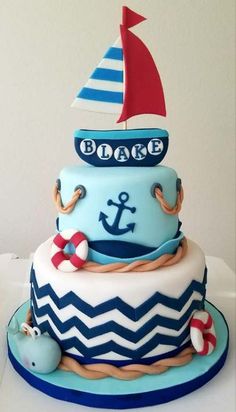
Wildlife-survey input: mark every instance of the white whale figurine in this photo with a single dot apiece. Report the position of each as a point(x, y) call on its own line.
point(38, 352)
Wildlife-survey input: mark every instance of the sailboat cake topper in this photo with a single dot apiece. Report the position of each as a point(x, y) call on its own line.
point(125, 82)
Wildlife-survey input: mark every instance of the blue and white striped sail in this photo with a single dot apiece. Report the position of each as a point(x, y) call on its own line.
point(104, 90)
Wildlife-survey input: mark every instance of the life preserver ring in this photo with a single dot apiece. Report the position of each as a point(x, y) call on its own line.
point(64, 262)
point(202, 333)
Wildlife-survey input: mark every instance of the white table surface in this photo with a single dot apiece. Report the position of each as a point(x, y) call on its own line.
point(17, 395)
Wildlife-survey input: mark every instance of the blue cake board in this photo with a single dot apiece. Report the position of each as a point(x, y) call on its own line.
point(113, 393)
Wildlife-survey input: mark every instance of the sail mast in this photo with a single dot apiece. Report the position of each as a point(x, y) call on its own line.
point(125, 123)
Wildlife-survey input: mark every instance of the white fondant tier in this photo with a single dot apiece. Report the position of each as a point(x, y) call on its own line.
point(118, 316)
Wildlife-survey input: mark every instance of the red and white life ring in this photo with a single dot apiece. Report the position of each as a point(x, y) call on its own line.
point(64, 262)
point(202, 332)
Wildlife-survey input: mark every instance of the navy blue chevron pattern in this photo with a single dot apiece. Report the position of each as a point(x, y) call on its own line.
point(110, 345)
point(111, 326)
point(117, 303)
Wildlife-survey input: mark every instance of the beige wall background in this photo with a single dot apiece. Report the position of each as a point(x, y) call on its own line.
point(48, 49)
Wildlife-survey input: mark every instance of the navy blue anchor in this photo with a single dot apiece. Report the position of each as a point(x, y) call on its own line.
point(114, 228)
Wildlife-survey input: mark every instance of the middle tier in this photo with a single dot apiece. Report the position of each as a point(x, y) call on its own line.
point(119, 212)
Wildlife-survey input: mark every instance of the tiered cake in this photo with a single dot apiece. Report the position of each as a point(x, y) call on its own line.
point(119, 293)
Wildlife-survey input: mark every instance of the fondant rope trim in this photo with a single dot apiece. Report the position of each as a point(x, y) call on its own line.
point(166, 206)
point(70, 205)
point(128, 372)
point(140, 265)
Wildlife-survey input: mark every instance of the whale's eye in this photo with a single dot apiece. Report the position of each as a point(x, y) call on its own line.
point(33, 364)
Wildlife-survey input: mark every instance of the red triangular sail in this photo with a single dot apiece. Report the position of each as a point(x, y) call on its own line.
point(143, 87)
point(130, 18)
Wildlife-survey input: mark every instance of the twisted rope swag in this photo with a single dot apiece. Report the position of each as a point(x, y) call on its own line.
point(140, 265)
point(165, 205)
point(58, 201)
point(128, 372)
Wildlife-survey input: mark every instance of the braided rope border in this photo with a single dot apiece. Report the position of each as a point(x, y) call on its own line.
point(140, 265)
point(128, 372)
point(166, 206)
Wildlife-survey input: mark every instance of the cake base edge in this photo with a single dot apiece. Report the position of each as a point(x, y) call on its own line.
point(111, 393)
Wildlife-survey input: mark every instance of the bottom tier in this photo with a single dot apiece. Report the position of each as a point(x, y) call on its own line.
point(113, 393)
point(118, 318)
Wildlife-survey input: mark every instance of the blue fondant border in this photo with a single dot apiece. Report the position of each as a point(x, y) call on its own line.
point(119, 248)
point(127, 250)
point(169, 246)
point(130, 401)
point(120, 134)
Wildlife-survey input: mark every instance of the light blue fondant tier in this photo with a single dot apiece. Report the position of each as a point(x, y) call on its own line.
point(118, 214)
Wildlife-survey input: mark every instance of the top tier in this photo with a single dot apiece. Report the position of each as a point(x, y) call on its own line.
point(125, 82)
point(132, 147)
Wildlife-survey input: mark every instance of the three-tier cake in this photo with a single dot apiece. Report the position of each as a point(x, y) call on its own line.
point(118, 292)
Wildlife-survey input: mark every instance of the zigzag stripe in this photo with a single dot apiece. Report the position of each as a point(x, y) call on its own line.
point(112, 346)
point(117, 303)
point(112, 326)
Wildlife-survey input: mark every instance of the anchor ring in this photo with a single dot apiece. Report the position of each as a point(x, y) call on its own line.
point(123, 197)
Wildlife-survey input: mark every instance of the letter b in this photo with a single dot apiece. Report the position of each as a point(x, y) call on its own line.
point(87, 147)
